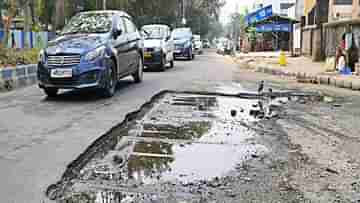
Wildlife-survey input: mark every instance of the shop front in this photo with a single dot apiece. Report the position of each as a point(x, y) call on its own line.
point(269, 31)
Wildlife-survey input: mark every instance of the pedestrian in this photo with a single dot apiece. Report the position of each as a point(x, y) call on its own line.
point(261, 87)
point(13, 43)
point(341, 64)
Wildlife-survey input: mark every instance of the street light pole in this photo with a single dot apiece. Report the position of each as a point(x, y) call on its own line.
point(104, 4)
point(183, 20)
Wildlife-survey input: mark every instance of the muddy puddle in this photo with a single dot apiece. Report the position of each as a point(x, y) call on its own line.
point(176, 140)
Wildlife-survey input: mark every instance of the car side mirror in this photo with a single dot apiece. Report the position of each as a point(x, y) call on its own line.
point(168, 38)
point(116, 33)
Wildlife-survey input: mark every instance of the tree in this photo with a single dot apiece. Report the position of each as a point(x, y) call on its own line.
point(59, 14)
point(11, 12)
point(44, 11)
point(3, 5)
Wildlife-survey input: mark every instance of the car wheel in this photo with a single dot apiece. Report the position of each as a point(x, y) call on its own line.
point(190, 57)
point(162, 66)
point(138, 75)
point(172, 63)
point(111, 81)
point(51, 92)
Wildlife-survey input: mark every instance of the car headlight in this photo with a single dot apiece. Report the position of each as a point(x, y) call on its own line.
point(187, 44)
point(92, 55)
point(41, 57)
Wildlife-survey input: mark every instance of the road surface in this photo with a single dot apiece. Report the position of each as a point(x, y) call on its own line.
point(39, 136)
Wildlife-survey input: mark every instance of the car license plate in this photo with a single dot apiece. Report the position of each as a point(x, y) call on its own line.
point(177, 51)
point(147, 55)
point(61, 73)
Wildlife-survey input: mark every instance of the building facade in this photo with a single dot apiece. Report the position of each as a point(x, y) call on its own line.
point(343, 10)
point(324, 23)
point(280, 7)
point(356, 9)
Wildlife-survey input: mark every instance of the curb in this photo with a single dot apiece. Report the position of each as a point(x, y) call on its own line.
point(16, 77)
point(309, 78)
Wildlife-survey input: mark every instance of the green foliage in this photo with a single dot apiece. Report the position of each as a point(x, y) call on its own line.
point(201, 15)
point(45, 11)
point(15, 57)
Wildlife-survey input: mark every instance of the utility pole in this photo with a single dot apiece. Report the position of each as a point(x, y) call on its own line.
point(104, 4)
point(183, 20)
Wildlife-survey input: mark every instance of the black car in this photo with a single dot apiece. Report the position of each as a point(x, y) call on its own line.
point(183, 40)
point(94, 50)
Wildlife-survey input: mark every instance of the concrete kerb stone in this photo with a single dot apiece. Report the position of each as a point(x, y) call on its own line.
point(348, 84)
point(355, 85)
point(332, 81)
point(15, 77)
point(324, 80)
point(339, 82)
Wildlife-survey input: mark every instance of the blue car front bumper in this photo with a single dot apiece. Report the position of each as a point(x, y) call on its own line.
point(92, 77)
point(182, 52)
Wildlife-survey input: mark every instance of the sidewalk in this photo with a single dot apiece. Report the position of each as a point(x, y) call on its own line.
point(300, 68)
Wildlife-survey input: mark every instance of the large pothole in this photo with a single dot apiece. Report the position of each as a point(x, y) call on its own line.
point(176, 140)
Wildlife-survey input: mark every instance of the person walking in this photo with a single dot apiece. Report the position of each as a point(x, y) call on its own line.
point(13, 42)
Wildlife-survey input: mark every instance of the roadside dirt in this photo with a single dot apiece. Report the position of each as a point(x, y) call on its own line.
point(324, 159)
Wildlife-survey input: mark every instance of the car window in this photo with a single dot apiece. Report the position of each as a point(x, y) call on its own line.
point(155, 32)
point(168, 32)
point(118, 23)
point(130, 27)
point(121, 24)
point(181, 33)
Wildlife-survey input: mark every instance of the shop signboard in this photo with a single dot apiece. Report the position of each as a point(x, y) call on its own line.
point(259, 15)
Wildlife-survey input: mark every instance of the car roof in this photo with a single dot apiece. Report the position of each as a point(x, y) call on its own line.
point(183, 29)
point(120, 13)
point(156, 25)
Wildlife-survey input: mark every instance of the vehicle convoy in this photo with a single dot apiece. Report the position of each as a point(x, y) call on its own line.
point(158, 47)
point(183, 40)
point(198, 44)
point(94, 50)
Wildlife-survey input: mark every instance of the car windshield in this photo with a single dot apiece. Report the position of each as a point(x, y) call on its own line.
point(89, 23)
point(154, 32)
point(179, 34)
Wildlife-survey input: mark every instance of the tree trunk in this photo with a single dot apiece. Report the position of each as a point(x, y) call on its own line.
point(59, 14)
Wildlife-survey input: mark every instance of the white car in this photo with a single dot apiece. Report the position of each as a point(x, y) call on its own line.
point(158, 46)
point(198, 44)
point(221, 45)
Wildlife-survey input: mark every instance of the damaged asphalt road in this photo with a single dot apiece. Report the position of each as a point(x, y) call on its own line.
point(193, 147)
point(181, 146)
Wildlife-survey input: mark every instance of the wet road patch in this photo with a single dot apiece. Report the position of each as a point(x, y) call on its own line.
point(177, 140)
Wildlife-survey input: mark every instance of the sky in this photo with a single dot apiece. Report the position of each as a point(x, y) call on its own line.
point(230, 7)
